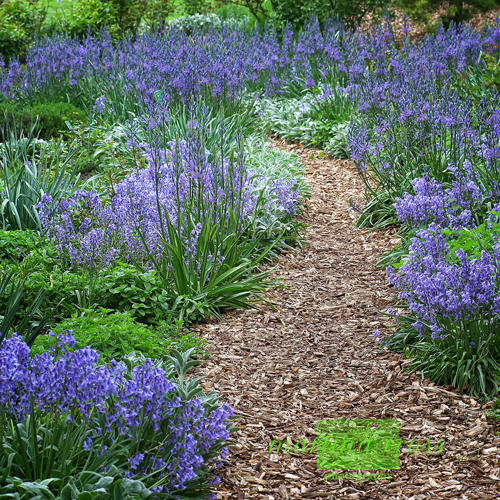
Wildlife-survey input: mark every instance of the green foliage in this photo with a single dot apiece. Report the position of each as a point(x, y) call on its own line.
point(260, 10)
point(298, 12)
point(103, 147)
point(454, 361)
point(233, 12)
point(30, 168)
point(396, 256)
point(480, 79)
point(15, 152)
point(234, 118)
point(157, 11)
point(338, 145)
point(494, 413)
point(473, 241)
point(274, 164)
point(14, 245)
point(23, 187)
point(124, 288)
point(290, 119)
point(40, 270)
point(194, 7)
point(50, 118)
point(20, 21)
point(60, 290)
point(80, 472)
point(378, 211)
point(119, 17)
point(115, 334)
point(209, 287)
point(186, 341)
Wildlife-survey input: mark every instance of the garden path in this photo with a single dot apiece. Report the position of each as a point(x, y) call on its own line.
point(315, 358)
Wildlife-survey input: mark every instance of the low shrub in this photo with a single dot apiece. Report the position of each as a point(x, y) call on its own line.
point(231, 12)
point(124, 288)
point(117, 334)
point(338, 144)
point(196, 23)
point(114, 334)
point(66, 289)
point(314, 118)
point(92, 16)
point(51, 118)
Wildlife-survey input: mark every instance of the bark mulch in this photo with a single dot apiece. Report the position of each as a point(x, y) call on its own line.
point(315, 358)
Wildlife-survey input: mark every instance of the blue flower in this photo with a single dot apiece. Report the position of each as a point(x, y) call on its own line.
point(136, 460)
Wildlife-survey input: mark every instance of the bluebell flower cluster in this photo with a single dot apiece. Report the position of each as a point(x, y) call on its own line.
point(228, 63)
point(218, 64)
point(178, 180)
point(114, 406)
point(80, 228)
point(436, 284)
point(450, 207)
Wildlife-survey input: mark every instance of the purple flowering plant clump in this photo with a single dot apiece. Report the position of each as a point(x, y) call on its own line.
point(78, 227)
point(451, 288)
point(69, 424)
point(437, 284)
point(448, 207)
point(189, 215)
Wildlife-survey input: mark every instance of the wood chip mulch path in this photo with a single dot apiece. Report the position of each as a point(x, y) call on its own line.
point(315, 358)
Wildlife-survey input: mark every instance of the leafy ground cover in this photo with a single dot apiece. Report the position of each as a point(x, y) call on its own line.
point(162, 204)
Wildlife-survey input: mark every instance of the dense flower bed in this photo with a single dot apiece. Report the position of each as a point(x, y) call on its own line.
point(196, 202)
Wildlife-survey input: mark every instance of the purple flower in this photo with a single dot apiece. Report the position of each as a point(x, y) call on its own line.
point(99, 106)
point(437, 285)
point(135, 461)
